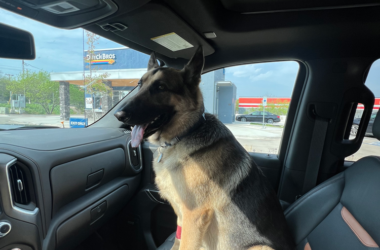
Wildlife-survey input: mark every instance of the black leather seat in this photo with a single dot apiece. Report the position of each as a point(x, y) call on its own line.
point(343, 213)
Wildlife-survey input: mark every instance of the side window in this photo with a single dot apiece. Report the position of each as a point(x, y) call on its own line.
point(370, 145)
point(243, 96)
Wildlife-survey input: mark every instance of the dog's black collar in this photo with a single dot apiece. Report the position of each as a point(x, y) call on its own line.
point(177, 139)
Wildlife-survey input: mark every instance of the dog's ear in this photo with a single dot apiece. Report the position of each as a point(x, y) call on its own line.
point(193, 70)
point(152, 62)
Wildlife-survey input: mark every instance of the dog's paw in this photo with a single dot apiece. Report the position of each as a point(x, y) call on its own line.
point(176, 244)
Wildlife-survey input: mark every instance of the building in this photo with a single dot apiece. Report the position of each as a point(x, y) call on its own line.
point(247, 103)
point(123, 68)
point(219, 95)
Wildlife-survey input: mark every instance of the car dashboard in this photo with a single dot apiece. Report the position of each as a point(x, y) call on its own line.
point(59, 185)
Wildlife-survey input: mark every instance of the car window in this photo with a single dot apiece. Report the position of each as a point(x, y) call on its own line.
point(76, 78)
point(235, 95)
point(370, 145)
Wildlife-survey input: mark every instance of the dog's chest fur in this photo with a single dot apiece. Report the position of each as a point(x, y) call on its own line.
point(185, 181)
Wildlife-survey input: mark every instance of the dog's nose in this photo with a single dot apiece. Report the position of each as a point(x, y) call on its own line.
point(122, 116)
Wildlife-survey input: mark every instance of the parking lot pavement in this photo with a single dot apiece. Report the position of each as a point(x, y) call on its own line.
point(370, 146)
point(254, 131)
point(46, 120)
point(255, 138)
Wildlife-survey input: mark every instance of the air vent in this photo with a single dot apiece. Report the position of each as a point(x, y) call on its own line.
point(60, 8)
point(18, 183)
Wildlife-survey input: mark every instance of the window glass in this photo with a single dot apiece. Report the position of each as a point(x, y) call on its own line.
point(75, 79)
point(370, 145)
point(236, 96)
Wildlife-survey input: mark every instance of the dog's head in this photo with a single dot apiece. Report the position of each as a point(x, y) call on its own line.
point(168, 101)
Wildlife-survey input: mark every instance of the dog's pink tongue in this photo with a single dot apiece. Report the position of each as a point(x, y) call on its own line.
point(137, 135)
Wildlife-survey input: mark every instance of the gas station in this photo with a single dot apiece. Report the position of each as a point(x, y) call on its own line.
point(123, 68)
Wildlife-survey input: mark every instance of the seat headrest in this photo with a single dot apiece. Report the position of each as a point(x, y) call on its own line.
point(376, 126)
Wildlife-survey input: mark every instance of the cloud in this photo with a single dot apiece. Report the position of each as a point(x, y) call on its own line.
point(260, 79)
point(244, 70)
point(262, 76)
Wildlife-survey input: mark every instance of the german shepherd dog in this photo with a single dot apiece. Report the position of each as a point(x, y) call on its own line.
point(221, 198)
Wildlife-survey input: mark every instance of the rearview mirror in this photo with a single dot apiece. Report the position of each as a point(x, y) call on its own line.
point(16, 43)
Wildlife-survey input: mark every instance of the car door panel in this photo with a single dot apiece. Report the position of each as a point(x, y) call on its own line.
point(62, 163)
point(156, 217)
point(253, 117)
point(270, 165)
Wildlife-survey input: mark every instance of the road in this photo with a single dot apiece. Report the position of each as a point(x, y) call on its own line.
point(254, 138)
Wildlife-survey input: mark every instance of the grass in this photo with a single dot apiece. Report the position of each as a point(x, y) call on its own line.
point(36, 109)
point(268, 125)
point(5, 105)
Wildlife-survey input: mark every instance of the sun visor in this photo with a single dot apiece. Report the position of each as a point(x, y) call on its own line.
point(67, 14)
point(261, 6)
point(158, 29)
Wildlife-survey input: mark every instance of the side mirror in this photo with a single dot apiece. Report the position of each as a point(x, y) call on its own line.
point(16, 43)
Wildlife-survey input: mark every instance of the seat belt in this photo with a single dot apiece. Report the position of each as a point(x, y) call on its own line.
point(315, 154)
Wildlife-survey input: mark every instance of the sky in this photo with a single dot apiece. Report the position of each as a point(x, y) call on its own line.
point(59, 50)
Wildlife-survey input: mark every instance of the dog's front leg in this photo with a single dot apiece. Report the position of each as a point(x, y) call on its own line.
point(195, 224)
point(177, 239)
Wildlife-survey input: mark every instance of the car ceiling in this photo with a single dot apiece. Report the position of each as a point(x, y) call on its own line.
point(246, 30)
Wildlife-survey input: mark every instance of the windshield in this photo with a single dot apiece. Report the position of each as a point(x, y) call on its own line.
point(76, 78)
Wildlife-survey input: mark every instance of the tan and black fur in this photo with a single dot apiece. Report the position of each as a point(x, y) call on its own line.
point(222, 199)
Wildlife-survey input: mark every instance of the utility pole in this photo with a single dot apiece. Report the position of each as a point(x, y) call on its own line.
point(9, 75)
point(23, 63)
point(10, 92)
point(27, 73)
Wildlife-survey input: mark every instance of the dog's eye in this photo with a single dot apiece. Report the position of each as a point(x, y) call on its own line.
point(161, 87)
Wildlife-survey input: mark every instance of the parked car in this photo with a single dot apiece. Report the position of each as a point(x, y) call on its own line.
point(257, 116)
point(356, 122)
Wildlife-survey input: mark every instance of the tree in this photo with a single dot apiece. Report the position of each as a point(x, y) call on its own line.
point(76, 97)
point(38, 88)
point(4, 94)
point(237, 106)
point(93, 81)
point(278, 107)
